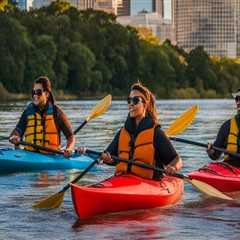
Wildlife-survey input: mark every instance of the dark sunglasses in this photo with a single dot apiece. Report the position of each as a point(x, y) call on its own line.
point(237, 98)
point(134, 100)
point(37, 92)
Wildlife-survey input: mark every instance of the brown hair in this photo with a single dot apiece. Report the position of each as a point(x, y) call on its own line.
point(149, 99)
point(47, 87)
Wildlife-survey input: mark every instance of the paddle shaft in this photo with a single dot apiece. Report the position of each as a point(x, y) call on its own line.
point(42, 148)
point(80, 127)
point(205, 146)
point(138, 164)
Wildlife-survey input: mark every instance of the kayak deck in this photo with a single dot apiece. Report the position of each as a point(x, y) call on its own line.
point(123, 193)
point(18, 160)
point(221, 175)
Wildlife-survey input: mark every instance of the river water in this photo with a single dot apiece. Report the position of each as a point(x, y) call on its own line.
point(194, 217)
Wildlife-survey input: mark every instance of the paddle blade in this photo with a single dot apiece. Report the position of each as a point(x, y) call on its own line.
point(53, 201)
point(208, 189)
point(182, 122)
point(100, 108)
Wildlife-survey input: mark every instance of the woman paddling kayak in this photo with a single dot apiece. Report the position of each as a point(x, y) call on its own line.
point(228, 137)
point(42, 120)
point(224, 175)
point(142, 139)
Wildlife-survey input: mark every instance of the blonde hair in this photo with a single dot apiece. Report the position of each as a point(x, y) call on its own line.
point(149, 99)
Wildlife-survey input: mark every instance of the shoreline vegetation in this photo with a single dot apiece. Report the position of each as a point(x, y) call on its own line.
point(87, 55)
point(188, 93)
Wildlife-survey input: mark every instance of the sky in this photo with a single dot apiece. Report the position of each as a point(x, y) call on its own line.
point(139, 5)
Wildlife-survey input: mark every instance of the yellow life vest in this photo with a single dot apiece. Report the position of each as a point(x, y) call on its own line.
point(232, 142)
point(42, 130)
point(142, 151)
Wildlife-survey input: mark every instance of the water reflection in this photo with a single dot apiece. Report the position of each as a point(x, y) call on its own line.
point(44, 179)
point(139, 224)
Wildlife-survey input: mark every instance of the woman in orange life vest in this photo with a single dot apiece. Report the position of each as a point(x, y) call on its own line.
point(142, 139)
point(42, 120)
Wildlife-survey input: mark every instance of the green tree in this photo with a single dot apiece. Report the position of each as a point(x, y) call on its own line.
point(80, 61)
point(41, 58)
point(201, 67)
point(13, 46)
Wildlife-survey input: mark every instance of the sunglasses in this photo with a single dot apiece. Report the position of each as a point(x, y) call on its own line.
point(37, 92)
point(134, 100)
point(237, 98)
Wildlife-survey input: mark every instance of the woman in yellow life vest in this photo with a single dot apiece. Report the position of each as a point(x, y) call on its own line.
point(42, 120)
point(142, 139)
point(228, 137)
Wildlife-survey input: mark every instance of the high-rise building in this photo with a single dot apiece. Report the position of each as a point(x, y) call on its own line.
point(83, 4)
point(159, 27)
point(123, 8)
point(79, 4)
point(109, 6)
point(159, 5)
point(213, 24)
point(238, 28)
point(24, 4)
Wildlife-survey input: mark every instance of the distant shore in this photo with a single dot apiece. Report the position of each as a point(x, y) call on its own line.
point(186, 93)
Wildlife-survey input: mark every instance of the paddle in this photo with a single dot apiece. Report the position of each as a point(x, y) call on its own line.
point(182, 122)
point(201, 186)
point(205, 146)
point(56, 199)
point(98, 110)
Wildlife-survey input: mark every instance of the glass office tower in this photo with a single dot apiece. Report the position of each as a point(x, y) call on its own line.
point(213, 24)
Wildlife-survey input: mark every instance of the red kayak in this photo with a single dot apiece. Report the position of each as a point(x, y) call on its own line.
point(126, 192)
point(221, 175)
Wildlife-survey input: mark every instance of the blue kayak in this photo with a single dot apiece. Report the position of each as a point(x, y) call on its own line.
point(18, 160)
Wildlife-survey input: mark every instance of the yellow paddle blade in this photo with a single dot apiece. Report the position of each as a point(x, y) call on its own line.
point(100, 108)
point(182, 122)
point(53, 201)
point(208, 189)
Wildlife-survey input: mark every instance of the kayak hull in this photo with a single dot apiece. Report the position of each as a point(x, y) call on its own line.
point(18, 160)
point(222, 176)
point(123, 193)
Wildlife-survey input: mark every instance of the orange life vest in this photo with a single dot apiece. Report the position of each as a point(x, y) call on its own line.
point(140, 150)
point(42, 130)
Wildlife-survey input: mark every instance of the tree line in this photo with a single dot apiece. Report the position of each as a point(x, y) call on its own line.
point(88, 52)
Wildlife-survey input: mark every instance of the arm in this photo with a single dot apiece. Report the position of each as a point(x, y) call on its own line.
point(65, 126)
point(19, 130)
point(174, 166)
point(221, 141)
point(112, 149)
point(71, 141)
point(165, 154)
point(113, 146)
